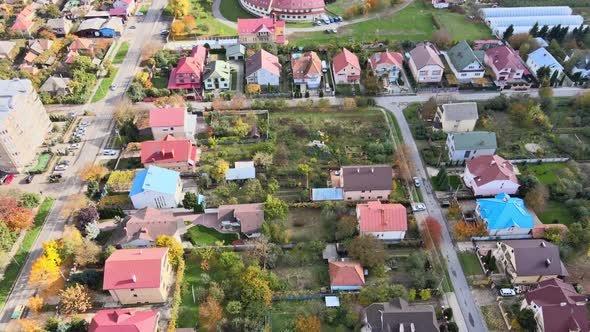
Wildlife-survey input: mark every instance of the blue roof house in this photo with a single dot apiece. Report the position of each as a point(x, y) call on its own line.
point(156, 187)
point(542, 58)
point(504, 215)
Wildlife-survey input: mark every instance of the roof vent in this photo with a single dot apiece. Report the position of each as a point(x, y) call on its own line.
point(543, 244)
point(547, 262)
point(134, 278)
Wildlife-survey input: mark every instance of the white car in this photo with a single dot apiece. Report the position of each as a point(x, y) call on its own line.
point(74, 146)
point(507, 292)
point(84, 123)
point(416, 182)
point(110, 152)
point(139, 14)
point(72, 113)
point(416, 207)
point(113, 87)
point(61, 167)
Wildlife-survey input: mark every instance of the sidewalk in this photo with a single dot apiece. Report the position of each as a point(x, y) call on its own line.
point(451, 300)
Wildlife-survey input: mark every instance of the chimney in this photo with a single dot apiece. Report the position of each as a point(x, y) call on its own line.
point(163, 152)
point(134, 278)
point(547, 262)
point(172, 152)
point(543, 244)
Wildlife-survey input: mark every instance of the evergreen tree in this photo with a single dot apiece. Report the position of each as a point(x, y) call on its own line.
point(543, 32)
point(534, 30)
point(509, 32)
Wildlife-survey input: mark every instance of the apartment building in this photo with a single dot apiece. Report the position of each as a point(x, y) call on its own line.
point(24, 123)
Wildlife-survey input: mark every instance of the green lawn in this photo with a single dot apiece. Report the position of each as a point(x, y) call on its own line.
point(188, 313)
point(546, 173)
point(306, 224)
point(105, 84)
point(121, 53)
point(207, 25)
point(556, 211)
point(232, 10)
point(469, 263)
point(234, 80)
point(412, 23)
point(203, 236)
point(283, 314)
point(13, 269)
point(144, 9)
point(160, 82)
point(41, 163)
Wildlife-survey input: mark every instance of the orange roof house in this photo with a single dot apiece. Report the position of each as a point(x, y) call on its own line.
point(346, 276)
point(384, 221)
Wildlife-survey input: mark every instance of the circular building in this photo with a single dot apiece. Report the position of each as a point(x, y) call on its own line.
point(285, 10)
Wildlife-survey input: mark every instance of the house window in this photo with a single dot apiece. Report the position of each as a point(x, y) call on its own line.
point(134, 295)
point(467, 153)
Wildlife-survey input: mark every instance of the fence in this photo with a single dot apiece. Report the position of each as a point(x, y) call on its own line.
point(502, 237)
point(437, 90)
point(539, 161)
point(271, 95)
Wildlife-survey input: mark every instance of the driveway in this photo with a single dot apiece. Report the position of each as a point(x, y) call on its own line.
point(238, 66)
point(470, 311)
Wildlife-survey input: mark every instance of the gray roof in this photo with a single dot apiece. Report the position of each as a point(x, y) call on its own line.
point(462, 55)
point(235, 49)
point(6, 46)
point(92, 24)
point(59, 23)
point(372, 177)
point(114, 23)
point(55, 83)
point(474, 140)
point(460, 111)
point(583, 60)
point(536, 257)
point(390, 316)
point(425, 54)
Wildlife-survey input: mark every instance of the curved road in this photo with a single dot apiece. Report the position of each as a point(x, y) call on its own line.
point(217, 14)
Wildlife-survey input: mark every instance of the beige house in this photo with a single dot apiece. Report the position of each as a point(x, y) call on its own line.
point(138, 276)
point(24, 123)
point(456, 118)
point(8, 49)
point(363, 183)
point(529, 261)
point(425, 63)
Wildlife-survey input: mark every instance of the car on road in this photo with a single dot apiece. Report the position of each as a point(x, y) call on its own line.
point(29, 178)
point(164, 32)
point(110, 152)
point(139, 14)
point(85, 123)
point(18, 312)
point(416, 182)
point(507, 292)
point(54, 178)
point(74, 146)
point(132, 27)
point(6, 179)
point(113, 87)
point(416, 207)
point(72, 113)
point(62, 166)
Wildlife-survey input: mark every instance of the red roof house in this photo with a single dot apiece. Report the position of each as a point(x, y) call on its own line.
point(288, 10)
point(189, 71)
point(82, 45)
point(383, 62)
point(490, 175)
point(171, 153)
point(22, 25)
point(347, 69)
point(346, 276)
point(138, 275)
point(261, 30)
point(384, 221)
point(124, 320)
point(557, 307)
point(505, 63)
point(143, 227)
point(167, 117)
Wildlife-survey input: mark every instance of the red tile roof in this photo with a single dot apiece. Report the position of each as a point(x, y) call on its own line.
point(167, 117)
point(253, 25)
point(71, 56)
point(81, 44)
point(134, 268)
point(308, 63)
point(346, 274)
point(344, 59)
point(425, 54)
point(22, 24)
point(194, 64)
point(169, 150)
point(263, 60)
point(503, 57)
point(486, 169)
point(390, 58)
point(563, 308)
point(124, 320)
point(377, 217)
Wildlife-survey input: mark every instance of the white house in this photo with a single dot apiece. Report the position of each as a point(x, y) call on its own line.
point(542, 58)
point(263, 68)
point(466, 63)
point(490, 176)
point(307, 69)
point(466, 146)
point(456, 117)
point(388, 222)
point(346, 67)
point(217, 75)
point(156, 187)
point(425, 63)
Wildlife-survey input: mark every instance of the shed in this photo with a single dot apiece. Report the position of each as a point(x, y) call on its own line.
point(327, 194)
point(235, 52)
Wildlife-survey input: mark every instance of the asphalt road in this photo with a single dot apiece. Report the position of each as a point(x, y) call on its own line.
point(147, 30)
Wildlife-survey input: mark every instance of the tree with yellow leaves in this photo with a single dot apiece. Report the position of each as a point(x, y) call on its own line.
point(219, 170)
point(75, 299)
point(92, 171)
point(307, 324)
point(210, 313)
point(74, 203)
point(29, 325)
point(177, 27)
point(35, 303)
point(43, 272)
point(252, 88)
point(175, 250)
point(180, 8)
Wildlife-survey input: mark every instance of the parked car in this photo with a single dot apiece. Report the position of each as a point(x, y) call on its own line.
point(139, 14)
point(132, 27)
point(445, 203)
point(318, 23)
point(29, 178)
point(507, 292)
point(113, 87)
point(416, 182)
point(418, 207)
point(331, 19)
point(334, 30)
point(18, 312)
point(74, 146)
point(84, 123)
point(340, 19)
point(7, 179)
point(164, 32)
point(72, 113)
point(61, 167)
point(110, 152)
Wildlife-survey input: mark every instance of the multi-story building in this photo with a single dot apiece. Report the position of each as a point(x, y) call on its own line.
point(24, 123)
point(175, 121)
point(425, 63)
point(286, 10)
point(261, 30)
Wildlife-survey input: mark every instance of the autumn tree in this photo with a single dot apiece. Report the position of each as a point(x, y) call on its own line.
point(241, 128)
point(121, 180)
point(431, 232)
point(86, 216)
point(255, 288)
point(173, 100)
point(93, 172)
point(537, 197)
point(45, 270)
point(219, 170)
point(403, 163)
point(180, 8)
point(71, 241)
point(349, 104)
point(428, 109)
point(29, 325)
point(210, 314)
point(189, 22)
point(74, 203)
point(35, 303)
point(465, 231)
point(307, 324)
point(262, 159)
point(75, 299)
point(252, 88)
point(346, 227)
point(368, 250)
point(442, 38)
point(175, 250)
point(88, 253)
point(275, 208)
point(124, 112)
point(15, 216)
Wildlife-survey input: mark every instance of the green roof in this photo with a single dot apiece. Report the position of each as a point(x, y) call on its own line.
point(475, 140)
point(462, 55)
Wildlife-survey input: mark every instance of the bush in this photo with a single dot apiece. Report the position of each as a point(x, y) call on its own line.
point(110, 212)
point(177, 297)
point(91, 278)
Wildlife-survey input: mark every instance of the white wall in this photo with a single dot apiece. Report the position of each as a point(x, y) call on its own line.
point(391, 235)
point(264, 78)
point(154, 200)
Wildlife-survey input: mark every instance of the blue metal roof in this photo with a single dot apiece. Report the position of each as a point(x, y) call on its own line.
point(503, 212)
point(156, 179)
point(327, 194)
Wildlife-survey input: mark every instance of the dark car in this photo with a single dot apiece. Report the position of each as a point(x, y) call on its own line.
point(29, 178)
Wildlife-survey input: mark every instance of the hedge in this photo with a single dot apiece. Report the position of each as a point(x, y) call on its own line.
point(176, 298)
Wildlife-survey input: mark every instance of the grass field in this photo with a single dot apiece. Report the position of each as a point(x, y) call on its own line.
point(188, 313)
point(232, 10)
point(41, 163)
point(556, 211)
point(207, 25)
point(13, 269)
point(160, 82)
point(121, 53)
point(104, 86)
point(307, 225)
point(469, 263)
point(202, 236)
point(412, 23)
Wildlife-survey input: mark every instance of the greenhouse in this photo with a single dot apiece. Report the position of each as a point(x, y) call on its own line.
point(525, 11)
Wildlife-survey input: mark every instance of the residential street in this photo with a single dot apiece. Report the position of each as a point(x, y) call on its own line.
point(98, 133)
